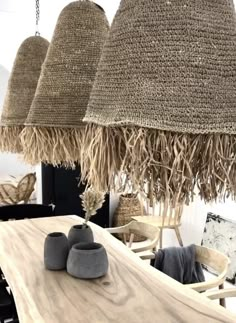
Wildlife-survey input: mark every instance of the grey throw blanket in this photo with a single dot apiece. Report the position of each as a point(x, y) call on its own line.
point(179, 263)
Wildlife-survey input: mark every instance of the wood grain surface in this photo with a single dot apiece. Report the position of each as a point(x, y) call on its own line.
point(132, 291)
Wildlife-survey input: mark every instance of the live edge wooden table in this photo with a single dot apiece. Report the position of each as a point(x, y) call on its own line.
point(131, 292)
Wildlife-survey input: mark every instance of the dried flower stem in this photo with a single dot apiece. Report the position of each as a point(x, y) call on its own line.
point(91, 202)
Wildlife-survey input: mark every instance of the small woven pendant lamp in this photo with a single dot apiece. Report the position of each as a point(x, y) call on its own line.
point(163, 106)
point(54, 127)
point(21, 89)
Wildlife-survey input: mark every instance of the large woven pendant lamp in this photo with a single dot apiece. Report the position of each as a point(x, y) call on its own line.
point(21, 89)
point(54, 127)
point(163, 106)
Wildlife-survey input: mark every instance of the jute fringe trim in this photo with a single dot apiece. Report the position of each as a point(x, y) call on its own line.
point(10, 139)
point(55, 146)
point(172, 164)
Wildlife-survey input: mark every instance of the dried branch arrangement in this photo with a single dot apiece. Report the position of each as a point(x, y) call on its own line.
point(91, 201)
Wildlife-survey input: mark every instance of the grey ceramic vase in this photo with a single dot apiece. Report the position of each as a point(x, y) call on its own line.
point(78, 233)
point(56, 249)
point(87, 260)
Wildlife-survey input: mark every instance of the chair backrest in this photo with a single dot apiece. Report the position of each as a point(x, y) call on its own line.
point(212, 258)
point(25, 187)
point(11, 194)
point(8, 194)
point(170, 214)
point(174, 215)
point(216, 261)
point(222, 293)
point(23, 211)
point(152, 233)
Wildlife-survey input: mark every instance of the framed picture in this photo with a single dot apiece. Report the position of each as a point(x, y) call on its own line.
point(220, 234)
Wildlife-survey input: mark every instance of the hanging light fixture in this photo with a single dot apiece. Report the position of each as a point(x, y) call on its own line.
point(54, 127)
point(163, 107)
point(21, 89)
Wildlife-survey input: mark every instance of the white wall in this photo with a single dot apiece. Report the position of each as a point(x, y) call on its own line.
point(4, 75)
point(17, 21)
point(10, 164)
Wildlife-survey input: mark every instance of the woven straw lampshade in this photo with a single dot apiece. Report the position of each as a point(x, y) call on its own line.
point(163, 106)
point(20, 91)
point(54, 127)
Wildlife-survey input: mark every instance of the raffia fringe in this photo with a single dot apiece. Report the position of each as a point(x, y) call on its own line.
point(55, 146)
point(173, 164)
point(10, 139)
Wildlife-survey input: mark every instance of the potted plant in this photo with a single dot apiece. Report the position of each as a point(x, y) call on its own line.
point(91, 202)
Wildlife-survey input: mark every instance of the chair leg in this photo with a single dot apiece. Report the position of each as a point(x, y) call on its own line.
point(131, 239)
point(179, 236)
point(124, 238)
point(222, 300)
point(161, 236)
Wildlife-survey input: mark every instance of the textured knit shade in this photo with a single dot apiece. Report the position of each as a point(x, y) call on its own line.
point(54, 127)
point(163, 106)
point(20, 91)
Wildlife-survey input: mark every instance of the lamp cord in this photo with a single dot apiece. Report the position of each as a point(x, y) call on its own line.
point(37, 33)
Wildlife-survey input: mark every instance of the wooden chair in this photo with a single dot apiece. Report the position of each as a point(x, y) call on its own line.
point(168, 218)
point(142, 229)
point(213, 259)
point(25, 187)
point(8, 194)
point(221, 294)
point(11, 194)
point(216, 261)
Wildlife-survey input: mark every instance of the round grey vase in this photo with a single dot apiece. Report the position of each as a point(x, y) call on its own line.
point(87, 260)
point(56, 249)
point(78, 233)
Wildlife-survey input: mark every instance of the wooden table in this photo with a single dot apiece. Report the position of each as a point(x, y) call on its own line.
point(132, 291)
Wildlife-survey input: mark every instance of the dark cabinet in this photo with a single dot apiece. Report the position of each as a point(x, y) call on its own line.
point(61, 187)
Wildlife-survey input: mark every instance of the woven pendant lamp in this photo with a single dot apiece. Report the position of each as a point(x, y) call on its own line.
point(54, 127)
point(20, 91)
point(163, 106)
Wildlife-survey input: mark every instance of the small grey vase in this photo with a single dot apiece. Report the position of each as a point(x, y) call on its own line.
point(56, 249)
point(78, 233)
point(87, 260)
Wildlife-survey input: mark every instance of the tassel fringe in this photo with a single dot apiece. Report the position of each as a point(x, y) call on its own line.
point(55, 146)
point(173, 164)
point(10, 139)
